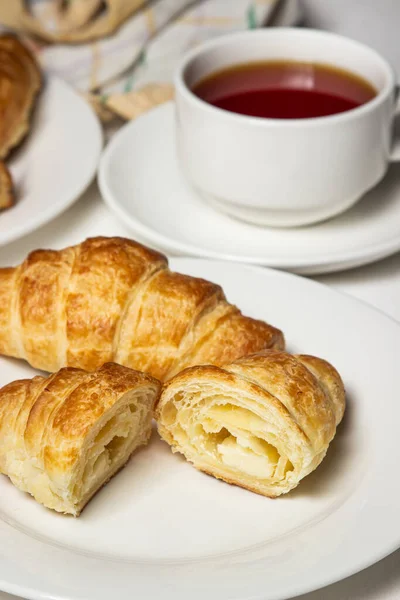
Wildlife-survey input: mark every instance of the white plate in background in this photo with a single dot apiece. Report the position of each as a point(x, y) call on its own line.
point(161, 529)
point(55, 163)
point(141, 182)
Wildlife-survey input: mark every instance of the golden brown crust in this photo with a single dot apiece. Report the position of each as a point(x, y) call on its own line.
point(263, 422)
point(9, 340)
point(7, 196)
point(39, 311)
point(11, 43)
point(114, 299)
point(287, 378)
point(20, 82)
point(234, 336)
point(166, 311)
point(105, 274)
point(329, 379)
point(53, 430)
point(95, 394)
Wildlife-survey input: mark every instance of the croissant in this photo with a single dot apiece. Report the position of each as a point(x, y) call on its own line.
point(112, 299)
point(263, 422)
point(64, 436)
point(7, 195)
point(20, 82)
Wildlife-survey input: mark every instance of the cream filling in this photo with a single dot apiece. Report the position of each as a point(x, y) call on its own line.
point(235, 454)
point(109, 448)
point(236, 437)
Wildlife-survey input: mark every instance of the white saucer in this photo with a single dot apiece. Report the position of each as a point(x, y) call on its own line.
point(140, 181)
point(55, 163)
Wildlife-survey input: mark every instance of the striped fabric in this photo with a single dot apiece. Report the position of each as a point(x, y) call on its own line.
point(145, 49)
point(131, 71)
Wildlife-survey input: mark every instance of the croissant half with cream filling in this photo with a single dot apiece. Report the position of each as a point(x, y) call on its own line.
point(263, 422)
point(64, 436)
point(112, 299)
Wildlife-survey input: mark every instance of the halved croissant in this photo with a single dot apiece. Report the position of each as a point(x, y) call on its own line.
point(263, 422)
point(64, 436)
point(111, 299)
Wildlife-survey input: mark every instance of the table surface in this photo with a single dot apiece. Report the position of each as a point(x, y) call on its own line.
point(377, 284)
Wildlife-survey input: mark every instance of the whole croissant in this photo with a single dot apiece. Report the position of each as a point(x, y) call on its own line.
point(114, 300)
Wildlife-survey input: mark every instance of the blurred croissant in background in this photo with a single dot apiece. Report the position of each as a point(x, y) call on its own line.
point(67, 20)
point(20, 83)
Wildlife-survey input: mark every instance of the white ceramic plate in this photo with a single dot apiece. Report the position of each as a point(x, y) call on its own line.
point(55, 163)
point(141, 182)
point(161, 529)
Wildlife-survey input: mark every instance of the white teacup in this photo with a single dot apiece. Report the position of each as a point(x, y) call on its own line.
point(284, 172)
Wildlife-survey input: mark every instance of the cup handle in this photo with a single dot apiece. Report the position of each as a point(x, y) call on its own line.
point(395, 151)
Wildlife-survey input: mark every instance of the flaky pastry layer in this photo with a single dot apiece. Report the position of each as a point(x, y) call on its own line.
point(263, 422)
point(64, 436)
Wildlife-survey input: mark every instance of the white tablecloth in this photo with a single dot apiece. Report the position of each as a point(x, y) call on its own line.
point(378, 284)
